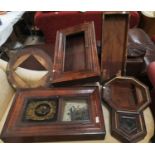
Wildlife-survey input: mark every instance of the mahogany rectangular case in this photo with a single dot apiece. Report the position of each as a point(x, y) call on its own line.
point(58, 114)
point(76, 58)
point(128, 98)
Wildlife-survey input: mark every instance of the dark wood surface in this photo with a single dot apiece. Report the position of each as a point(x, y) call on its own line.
point(114, 40)
point(34, 54)
point(128, 98)
point(126, 94)
point(135, 67)
point(34, 65)
point(18, 130)
point(76, 55)
point(147, 24)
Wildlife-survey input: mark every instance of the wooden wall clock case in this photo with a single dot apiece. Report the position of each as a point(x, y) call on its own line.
point(41, 115)
point(76, 59)
point(126, 96)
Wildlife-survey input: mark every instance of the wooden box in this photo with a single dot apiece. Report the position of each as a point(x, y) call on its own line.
point(76, 57)
point(126, 96)
point(41, 115)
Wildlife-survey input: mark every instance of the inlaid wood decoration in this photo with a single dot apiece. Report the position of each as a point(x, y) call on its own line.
point(76, 55)
point(15, 63)
point(128, 98)
point(41, 115)
point(114, 41)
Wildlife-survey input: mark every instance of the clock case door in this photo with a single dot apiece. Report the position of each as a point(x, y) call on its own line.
point(120, 92)
point(76, 58)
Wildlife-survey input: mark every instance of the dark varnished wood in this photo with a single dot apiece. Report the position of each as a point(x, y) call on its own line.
point(114, 40)
point(17, 130)
point(17, 60)
point(76, 55)
point(128, 98)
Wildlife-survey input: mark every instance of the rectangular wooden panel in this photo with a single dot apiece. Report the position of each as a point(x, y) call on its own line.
point(41, 115)
point(76, 56)
point(114, 41)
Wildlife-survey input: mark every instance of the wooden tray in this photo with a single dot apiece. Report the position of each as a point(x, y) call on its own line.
point(40, 115)
point(128, 98)
point(76, 57)
point(114, 40)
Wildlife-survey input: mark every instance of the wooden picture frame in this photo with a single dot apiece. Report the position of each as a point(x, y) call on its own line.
point(114, 40)
point(41, 115)
point(127, 98)
point(76, 58)
point(20, 58)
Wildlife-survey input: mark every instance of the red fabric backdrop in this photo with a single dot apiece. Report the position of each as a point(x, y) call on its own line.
point(50, 22)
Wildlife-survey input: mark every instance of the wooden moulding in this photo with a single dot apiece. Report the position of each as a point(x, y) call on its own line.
point(128, 98)
point(41, 115)
point(114, 41)
point(76, 58)
point(40, 56)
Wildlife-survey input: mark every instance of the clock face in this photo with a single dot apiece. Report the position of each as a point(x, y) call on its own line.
point(41, 110)
point(75, 110)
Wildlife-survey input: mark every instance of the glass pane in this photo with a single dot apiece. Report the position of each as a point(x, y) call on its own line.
point(75, 110)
